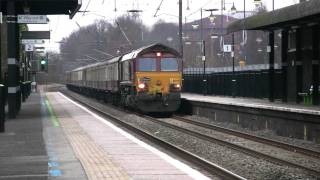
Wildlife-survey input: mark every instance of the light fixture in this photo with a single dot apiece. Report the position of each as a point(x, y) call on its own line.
point(212, 18)
point(233, 9)
point(259, 40)
point(188, 7)
point(195, 26)
point(169, 39)
point(185, 37)
point(188, 43)
point(214, 36)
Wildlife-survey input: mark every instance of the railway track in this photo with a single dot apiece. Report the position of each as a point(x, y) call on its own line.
point(236, 147)
point(270, 142)
point(210, 167)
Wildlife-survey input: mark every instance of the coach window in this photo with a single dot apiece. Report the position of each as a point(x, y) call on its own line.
point(169, 64)
point(292, 40)
point(126, 70)
point(147, 64)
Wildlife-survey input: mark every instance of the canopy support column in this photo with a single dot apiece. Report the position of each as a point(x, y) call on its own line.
point(315, 64)
point(271, 66)
point(284, 64)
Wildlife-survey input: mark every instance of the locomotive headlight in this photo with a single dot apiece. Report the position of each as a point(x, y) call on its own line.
point(141, 85)
point(175, 87)
point(158, 54)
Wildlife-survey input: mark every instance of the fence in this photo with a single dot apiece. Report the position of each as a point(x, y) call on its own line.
point(253, 84)
point(2, 106)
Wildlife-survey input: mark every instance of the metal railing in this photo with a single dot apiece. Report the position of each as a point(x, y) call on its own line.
point(253, 84)
point(3, 91)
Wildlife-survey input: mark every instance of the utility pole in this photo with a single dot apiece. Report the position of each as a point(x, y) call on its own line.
point(0, 44)
point(234, 81)
point(13, 61)
point(203, 56)
point(180, 33)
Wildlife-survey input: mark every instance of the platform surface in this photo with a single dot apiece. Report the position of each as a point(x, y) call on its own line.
point(107, 152)
point(253, 103)
point(56, 138)
point(32, 147)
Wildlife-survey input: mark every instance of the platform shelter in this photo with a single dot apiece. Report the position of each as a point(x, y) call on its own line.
point(10, 9)
point(300, 31)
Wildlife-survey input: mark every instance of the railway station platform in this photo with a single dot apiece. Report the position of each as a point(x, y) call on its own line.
point(289, 120)
point(254, 103)
point(54, 137)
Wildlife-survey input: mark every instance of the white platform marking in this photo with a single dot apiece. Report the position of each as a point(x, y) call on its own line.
point(178, 164)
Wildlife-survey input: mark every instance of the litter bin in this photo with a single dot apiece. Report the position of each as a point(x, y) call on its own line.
point(34, 86)
point(307, 98)
point(28, 88)
point(23, 91)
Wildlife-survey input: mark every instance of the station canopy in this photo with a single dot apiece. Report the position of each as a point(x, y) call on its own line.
point(44, 7)
point(302, 13)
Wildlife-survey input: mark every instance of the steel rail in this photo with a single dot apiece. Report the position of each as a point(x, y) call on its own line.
point(236, 147)
point(206, 165)
point(286, 146)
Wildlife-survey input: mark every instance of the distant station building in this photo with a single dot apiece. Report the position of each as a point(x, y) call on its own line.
point(299, 31)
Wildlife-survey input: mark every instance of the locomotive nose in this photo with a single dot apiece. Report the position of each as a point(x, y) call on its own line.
point(158, 83)
point(158, 88)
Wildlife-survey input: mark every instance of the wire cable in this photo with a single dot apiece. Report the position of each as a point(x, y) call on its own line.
point(86, 8)
point(155, 14)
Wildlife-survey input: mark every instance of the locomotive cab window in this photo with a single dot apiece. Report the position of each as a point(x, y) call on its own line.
point(147, 64)
point(169, 64)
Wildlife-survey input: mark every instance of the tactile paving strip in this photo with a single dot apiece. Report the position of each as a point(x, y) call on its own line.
point(97, 163)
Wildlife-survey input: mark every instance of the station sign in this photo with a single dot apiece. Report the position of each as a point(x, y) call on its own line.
point(227, 48)
point(32, 19)
point(32, 41)
point(29, 48)
point(257, 1)
point(35, 34)
point(39, 48)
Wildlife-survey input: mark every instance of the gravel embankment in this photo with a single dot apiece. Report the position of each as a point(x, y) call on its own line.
point(310, 162)
point(263, 133)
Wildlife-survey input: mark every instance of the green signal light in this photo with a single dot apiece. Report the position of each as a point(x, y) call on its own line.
point(43, 62)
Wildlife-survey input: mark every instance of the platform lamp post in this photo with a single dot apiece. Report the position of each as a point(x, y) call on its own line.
point(203, 48)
